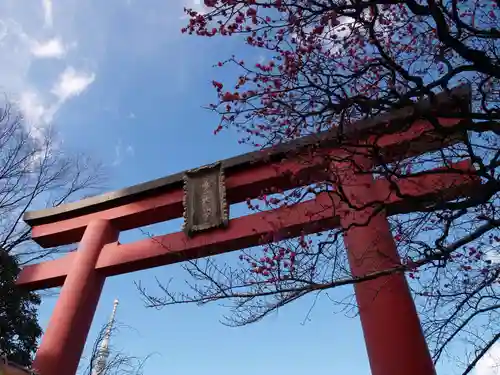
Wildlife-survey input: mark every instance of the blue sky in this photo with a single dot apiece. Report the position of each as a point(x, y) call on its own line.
point(121, 83)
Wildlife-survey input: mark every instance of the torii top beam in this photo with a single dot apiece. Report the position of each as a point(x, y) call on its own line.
point(247, 175)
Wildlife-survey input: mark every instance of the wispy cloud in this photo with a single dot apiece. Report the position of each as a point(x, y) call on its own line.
point(48, 13)
point(28, 35)
point(36, 112)
point(49, 55)
point(121, 152)
point(39, 109)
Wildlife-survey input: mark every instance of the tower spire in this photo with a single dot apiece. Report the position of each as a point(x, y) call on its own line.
point(103, 352)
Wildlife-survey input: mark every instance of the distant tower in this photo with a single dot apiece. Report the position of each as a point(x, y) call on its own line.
point(103, 352)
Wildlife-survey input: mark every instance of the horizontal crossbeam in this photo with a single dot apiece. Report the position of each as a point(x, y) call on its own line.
point(455, 101)
point(311, 216)
point(249, 182)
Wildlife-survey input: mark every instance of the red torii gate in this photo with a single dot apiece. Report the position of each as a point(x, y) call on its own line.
point(391, 326)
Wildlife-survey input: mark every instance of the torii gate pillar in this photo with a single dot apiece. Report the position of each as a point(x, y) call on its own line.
point(63, 342)
point(391, 327)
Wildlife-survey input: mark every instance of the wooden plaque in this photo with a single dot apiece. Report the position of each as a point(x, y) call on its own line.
point(204, 201)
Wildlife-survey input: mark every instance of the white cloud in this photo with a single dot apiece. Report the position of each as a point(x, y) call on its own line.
point(196, 5)
point(72, 83)
point(53, 48)
point(490, 363)
point(48, 13)
point(493, 253)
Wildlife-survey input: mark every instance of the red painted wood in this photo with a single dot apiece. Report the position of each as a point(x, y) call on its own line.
point(391, 326)
point(241, 185)
point(64, 339)
point(251, 230)
point(393, 335)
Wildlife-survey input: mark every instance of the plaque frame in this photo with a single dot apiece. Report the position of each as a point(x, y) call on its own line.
point(221, 218)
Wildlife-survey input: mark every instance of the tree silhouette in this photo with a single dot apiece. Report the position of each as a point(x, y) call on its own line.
point(34, 172)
